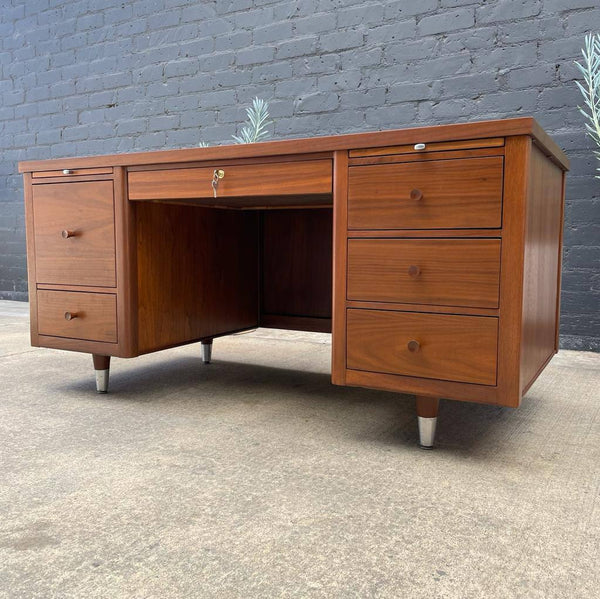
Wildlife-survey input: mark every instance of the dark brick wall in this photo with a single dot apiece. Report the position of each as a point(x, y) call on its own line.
point(98, 76)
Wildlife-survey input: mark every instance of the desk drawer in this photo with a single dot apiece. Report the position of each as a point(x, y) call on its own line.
point(73, 172)
point(445, 272)
point(249, 180)
point(74, 232)
point(90, 316)
point(422, 148)
point(433, 346)
point(436, 194)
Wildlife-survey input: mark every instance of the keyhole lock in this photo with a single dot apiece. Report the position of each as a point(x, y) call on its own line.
point(218, 174)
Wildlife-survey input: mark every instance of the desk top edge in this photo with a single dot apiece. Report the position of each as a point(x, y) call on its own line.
point(330, 143)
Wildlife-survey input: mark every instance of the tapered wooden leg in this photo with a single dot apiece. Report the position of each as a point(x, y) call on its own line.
point(206, 351)
point(427, 411)
point(102, 368)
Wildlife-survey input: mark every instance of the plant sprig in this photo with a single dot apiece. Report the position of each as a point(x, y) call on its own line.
point(256, 127)
point(591, 90)
point(258, 119)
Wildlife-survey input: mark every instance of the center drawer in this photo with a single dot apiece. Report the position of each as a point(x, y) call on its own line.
point(239, 180)
point(435, 194)
point(434, 346)
point(444, 272)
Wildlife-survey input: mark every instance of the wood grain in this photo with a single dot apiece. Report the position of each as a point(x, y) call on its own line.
point(126, 261)
point(541, 266)
point(189, 273)
point(424, 308)
point(339, 265)
point(296, 323)
point(31, 252)
point(100, 362)
point(240, 180)
point(432, 147)
point(456, 194)
point(420, 386)
point(451, 272)
point(517, 167)
point(73, 173)
point(427, 156)
point(95, 315)
point(86, 209)
point(197, 272)
point(427, 407)
point(426, 233)
point(454, 348)
point(296, 263)
point(454, 132)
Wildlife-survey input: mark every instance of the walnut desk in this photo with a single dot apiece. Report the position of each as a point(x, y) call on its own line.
point(432, 254)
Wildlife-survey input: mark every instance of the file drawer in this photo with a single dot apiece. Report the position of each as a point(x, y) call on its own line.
point(434, 346)
point(74, 233)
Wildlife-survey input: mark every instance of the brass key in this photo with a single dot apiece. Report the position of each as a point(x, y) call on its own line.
point(218, 173)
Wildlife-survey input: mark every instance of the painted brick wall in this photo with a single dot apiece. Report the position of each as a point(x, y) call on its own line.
point(102, 76)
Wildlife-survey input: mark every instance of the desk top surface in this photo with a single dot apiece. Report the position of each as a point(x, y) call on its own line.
point(287, 147)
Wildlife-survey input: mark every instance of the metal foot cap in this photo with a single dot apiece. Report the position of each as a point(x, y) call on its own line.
point(206, 352)
point(426, 431)
point(102, 380)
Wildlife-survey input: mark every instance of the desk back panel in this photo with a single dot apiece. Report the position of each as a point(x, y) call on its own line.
point(197, 273)
point(296, 264)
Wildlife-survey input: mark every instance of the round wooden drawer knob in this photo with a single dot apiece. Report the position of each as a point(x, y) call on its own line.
point(416, 195)
point(70, 315)
point(66, 234)
point(414, 271)
point(414, 346)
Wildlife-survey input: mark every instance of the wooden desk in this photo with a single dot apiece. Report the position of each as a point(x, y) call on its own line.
point(445, 244)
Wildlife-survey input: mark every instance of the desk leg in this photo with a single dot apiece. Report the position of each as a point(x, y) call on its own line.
point(427, 412)
point(206, 351)
point(102, 368)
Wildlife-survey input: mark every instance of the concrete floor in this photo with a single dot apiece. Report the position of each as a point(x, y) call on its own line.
point(254, 477)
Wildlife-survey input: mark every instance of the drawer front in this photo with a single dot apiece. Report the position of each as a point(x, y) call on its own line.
point(273, 179)
point(444, 272)
point(434, 346)
point(423, 148)
point(436, 194)
point(90, 316)
point(74, 231)
point(71, 172)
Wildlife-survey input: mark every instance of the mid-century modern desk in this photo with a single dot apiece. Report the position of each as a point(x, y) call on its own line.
point(432, 254)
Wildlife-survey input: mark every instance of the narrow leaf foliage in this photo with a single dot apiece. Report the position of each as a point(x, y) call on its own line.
point(590, 88)
point(256, 127)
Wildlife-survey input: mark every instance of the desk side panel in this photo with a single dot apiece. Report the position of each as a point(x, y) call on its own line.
point(31, 274)
point(197, 273)
point(541, 280)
